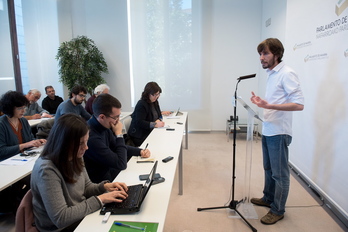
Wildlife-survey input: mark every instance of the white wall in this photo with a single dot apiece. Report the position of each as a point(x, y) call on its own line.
point(320, 140)
point(235, 33)
point(41, 38)
point(318, 149)
point(105, 22)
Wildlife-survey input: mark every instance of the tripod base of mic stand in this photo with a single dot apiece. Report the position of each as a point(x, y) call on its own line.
point(233, 206)
point(246, 209)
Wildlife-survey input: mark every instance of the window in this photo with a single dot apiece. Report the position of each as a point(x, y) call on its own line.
point(162, 50)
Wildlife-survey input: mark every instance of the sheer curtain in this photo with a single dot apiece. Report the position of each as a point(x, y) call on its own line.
point(162, 50)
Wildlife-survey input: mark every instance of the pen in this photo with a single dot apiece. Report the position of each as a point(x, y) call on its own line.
point(20, 159)
point(125, 225)
point(146, 146)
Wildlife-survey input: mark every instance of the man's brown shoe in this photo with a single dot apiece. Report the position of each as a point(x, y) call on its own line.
point(260, 202)
point(271, 218)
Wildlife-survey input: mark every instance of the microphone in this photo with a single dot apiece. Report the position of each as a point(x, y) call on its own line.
point(246, 77)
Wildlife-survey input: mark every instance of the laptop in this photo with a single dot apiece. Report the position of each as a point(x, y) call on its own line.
point(178, 113)
point(136, 196)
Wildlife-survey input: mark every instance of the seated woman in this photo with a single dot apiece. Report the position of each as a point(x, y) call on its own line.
point(62, 191)
point(147, 114)
point(16, 134)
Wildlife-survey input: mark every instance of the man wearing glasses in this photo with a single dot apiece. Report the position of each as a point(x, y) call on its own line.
point(34, 111)
point(73, 105)
point(107, 152)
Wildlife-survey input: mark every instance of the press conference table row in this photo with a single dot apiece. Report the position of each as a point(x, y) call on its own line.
point(162, 143)
point(10, 174)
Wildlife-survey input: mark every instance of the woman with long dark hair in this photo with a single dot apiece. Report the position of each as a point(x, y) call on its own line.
point(147, 114)
point(62, 191)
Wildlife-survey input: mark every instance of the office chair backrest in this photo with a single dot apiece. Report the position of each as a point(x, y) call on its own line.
point(25, 216)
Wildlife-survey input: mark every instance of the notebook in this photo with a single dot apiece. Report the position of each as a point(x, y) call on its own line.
point(136, 196)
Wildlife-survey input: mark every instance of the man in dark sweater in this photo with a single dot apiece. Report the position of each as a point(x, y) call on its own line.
point(107, 152)
point(52, 101)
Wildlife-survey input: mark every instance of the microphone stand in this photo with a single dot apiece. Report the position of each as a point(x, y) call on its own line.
point(234, 203)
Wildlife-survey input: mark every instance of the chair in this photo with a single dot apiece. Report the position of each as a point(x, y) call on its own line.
point(25, 216)
point(126, 124)
point(44, 128)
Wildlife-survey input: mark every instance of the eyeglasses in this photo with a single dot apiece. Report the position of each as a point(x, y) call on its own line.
point(114, 118)
point(82, 95)
point(37, 97)
point(156, 94)
point(21, 108)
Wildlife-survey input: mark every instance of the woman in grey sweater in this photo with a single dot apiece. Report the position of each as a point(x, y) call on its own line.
point(62, 191)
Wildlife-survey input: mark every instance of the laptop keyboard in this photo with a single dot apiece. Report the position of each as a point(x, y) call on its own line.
point(131, 200)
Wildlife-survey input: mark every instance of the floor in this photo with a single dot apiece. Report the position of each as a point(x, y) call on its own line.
point(208, 183)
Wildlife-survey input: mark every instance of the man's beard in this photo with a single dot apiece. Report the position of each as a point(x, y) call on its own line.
point(77, 102)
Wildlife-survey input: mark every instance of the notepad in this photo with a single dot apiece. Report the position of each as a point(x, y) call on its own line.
point(16, 160)
point(150, 159)
point(148, 226)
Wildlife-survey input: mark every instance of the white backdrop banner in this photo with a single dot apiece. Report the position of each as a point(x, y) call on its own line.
point(317, 48)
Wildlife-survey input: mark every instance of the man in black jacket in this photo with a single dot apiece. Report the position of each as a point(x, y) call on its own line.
point(107, 152)
point(52, 101)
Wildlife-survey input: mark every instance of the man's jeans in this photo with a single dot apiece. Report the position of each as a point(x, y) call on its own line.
point(277, 172)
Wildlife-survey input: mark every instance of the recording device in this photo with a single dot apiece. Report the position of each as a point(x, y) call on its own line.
point(169, 158)
point(145, 176)
point(158, 180)
point(29, 153)
point(246, 77)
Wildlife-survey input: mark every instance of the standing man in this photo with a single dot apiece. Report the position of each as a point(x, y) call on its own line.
point(283, 95)
point(103, 88)
point(34, 111)
point(107, 152)
point(51, 101)
point(73, 105)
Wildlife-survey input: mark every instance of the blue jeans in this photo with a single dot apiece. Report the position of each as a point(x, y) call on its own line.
point(277, 172)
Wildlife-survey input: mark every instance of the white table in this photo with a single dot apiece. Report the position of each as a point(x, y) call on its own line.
point(10, 174)
point(162, 143)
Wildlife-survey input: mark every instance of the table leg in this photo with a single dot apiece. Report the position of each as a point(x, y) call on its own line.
point(180, 172)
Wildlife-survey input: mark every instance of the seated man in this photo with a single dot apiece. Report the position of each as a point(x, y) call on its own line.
point(51, 101)
point(103, 88)
point(107, 152)
point(34, 111)
point(73, 105)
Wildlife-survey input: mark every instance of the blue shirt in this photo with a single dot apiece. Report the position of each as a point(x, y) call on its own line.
point(68, 107)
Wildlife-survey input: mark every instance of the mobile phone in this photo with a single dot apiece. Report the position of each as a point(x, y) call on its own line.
point(169, 158)
point(145, 176)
